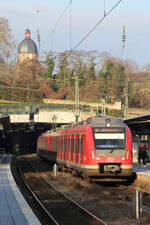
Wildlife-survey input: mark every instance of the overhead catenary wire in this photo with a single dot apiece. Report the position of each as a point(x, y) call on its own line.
point(70, 24)
point(131, 45)
point(68, 81)
point(58, 21)
point(94, 27)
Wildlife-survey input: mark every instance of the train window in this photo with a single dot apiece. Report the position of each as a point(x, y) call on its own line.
point(56, 144)
point(50, 143)
point(72, 143)
point(44, 142)
point(77, 144)
point(65, 147)
point(110, 139)
point(63, 150)
point(62, 144)
point(81, 144)
point(69, 147)
point(53, 143)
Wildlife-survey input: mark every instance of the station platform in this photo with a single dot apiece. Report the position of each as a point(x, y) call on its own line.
point(141, 169)
point(14, 210)
point(142, 176)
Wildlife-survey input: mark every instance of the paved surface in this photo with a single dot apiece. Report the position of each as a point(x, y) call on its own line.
point(14, 210)
point(141, 169)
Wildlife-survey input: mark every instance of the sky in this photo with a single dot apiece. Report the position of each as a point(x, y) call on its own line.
point(43, 15)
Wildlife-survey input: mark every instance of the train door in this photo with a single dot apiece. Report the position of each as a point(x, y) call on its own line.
point(58, 147)
point(77, 136)
point(72, 148)
point(48, 143)
point(80, 148)
point(62, 148)
point(45, 142)
point(69, 148)
point(65, 148)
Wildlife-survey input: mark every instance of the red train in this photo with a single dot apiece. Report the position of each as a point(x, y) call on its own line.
point(100, 147)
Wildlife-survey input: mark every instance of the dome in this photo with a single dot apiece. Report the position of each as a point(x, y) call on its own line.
point(27, 31)
point(27, 45)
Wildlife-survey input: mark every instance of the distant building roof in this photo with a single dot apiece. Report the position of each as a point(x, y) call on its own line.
point(27, 45)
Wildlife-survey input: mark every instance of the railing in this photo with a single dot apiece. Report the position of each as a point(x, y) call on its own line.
point(27, 108)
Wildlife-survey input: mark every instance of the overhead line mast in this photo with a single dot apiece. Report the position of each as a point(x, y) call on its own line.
point(104, 8)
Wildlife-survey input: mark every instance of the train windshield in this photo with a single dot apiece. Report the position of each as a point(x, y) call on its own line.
point(109, 138)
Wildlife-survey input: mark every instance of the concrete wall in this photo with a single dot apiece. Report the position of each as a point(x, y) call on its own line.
point(116, 105)
point(50, 117)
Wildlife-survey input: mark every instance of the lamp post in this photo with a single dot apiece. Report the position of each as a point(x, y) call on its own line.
point(54, 118)
point(103, 107)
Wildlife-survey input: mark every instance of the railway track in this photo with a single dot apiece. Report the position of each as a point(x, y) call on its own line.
point(55, 205)
point(115, 204)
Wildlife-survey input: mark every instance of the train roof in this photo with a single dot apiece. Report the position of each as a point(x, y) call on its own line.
point(101, 121)
point(98, 121)
point(106, 121)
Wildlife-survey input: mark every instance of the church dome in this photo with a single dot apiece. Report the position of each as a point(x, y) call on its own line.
point(27, 45)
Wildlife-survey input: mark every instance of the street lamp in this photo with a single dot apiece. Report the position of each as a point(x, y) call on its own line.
point(54, 118)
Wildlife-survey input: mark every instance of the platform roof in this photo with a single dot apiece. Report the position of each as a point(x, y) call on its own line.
point(139, 124)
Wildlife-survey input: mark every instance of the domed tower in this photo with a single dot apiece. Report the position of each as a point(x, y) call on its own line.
point(27, 49)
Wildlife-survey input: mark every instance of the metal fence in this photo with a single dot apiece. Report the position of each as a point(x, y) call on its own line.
point(27, 108)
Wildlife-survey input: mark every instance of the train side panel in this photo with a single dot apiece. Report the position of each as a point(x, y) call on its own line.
point(76, 148)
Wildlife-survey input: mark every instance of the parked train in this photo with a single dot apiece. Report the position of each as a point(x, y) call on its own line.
point(100, 147)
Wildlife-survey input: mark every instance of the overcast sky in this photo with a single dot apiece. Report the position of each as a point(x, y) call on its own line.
point(42, 15)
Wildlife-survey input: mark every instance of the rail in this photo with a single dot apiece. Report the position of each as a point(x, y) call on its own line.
point(56, 205)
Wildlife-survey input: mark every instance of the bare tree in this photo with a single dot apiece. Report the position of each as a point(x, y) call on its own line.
point(5, 38)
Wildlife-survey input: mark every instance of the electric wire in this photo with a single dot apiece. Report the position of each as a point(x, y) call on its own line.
point(57, 23)
point(119, 54)
point(70, 24)
point(94, 27)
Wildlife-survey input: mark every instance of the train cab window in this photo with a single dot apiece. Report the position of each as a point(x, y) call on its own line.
point(111, 138)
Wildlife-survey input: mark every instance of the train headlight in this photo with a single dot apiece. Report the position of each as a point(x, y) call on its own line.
point(108, 123)
point(127, 154)
point(93, 154)
point(123, 158)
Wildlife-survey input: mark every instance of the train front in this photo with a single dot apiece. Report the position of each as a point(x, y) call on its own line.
point(112, 154)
